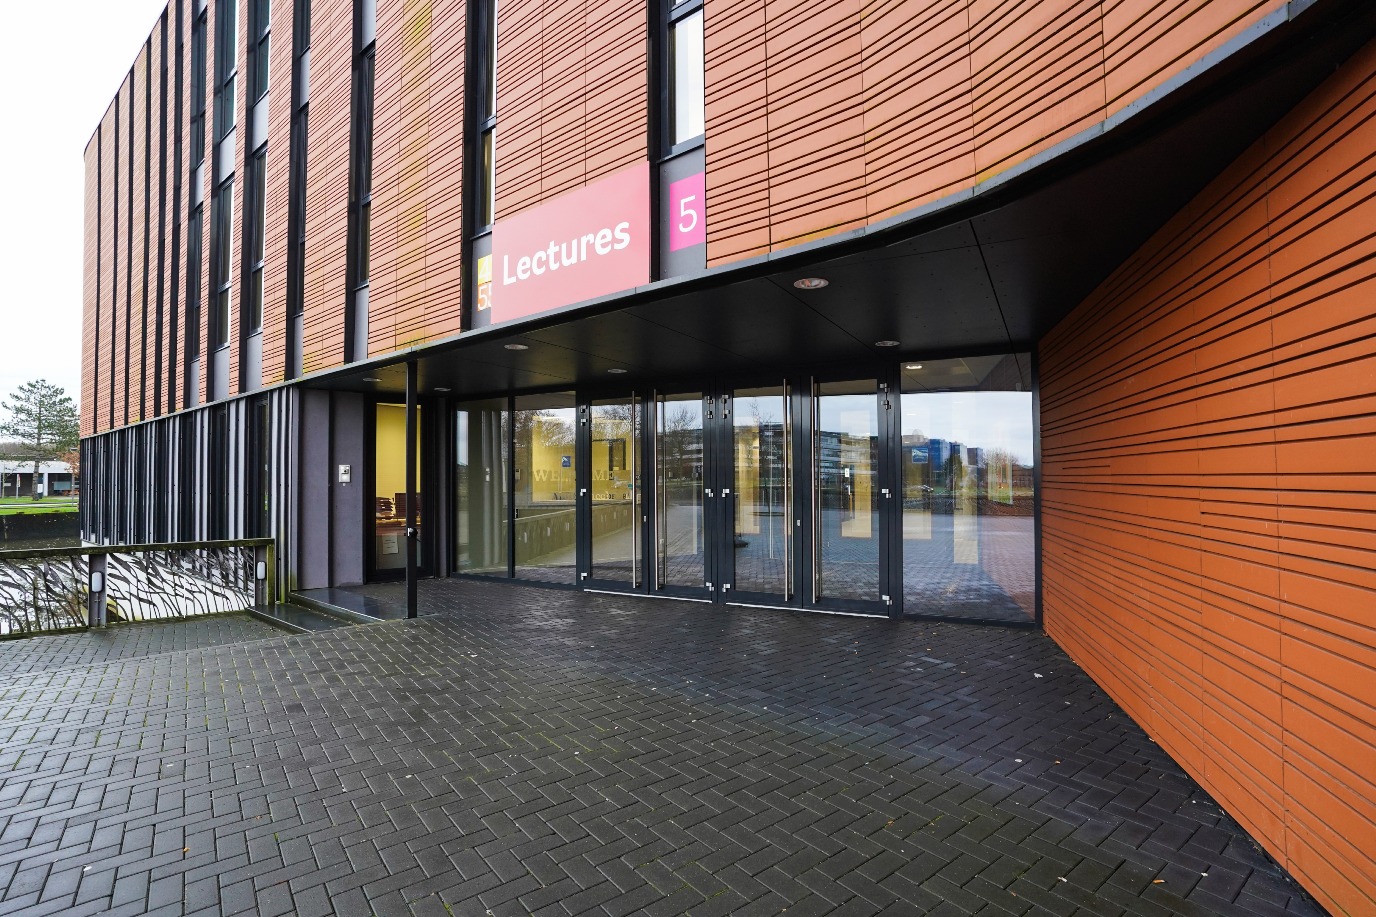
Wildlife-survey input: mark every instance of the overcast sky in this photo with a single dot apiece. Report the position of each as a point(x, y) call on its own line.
point(56, 80)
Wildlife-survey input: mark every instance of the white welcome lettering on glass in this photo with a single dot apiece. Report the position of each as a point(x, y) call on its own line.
point(567, 254)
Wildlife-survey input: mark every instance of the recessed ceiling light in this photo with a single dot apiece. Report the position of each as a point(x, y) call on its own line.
point(616, 369)
point(885, 343)
point(516, 346)
point(913, 366)
point(371, 379)
point(441, 388)
point(810, 283)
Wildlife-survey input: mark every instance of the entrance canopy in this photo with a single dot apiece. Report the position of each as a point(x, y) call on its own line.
point(990, 271)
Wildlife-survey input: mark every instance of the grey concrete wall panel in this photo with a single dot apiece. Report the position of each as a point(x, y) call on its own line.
point(315, 475)
point(347, 501)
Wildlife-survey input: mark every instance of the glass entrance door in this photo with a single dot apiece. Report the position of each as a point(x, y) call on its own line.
point(759, 496)
point(545, 477)
point(847, 496)
point(681, 463)
point(616, 510)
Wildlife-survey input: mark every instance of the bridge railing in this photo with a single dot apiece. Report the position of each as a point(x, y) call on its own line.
point(55, 590)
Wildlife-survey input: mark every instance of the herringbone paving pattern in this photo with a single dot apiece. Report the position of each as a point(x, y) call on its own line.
point(126, 641)
point(536, 751)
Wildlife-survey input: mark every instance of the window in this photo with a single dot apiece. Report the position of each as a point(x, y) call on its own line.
point(262, 24)
point(255, 218)
point(193, 285)
point(363, 165)
point(220, 266)
point(487, 202)
point(296, 217)
point(686, 116)
point(296, 212)
point(226, 65)
point(301, 23)
point(485, 196)
point(198, 90)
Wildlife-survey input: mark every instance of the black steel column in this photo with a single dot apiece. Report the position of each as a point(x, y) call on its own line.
point(411, 542)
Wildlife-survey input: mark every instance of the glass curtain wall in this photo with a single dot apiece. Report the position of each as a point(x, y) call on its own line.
point(968, 488)
point(846, 490)
point(389, 487)
point(679, 459)
point(482, 473)
point(616, 486)
point(544, 488)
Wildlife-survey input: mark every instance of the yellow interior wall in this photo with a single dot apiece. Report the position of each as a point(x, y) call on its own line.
point(391, 450)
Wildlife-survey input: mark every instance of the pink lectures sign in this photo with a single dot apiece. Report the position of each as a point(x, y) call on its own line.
point(583, 244)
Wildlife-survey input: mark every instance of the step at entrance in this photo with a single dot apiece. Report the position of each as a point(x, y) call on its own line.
point(297, 619)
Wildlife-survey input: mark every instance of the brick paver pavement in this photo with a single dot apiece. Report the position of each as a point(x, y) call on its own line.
point(126, 641)
point(536, 751)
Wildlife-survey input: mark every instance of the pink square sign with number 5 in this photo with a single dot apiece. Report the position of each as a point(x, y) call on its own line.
point(688, 212)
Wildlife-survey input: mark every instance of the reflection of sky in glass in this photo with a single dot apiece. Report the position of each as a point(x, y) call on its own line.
point(990, 420)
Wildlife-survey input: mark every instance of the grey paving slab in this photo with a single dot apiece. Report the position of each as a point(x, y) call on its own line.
point(525, 750)
point(127, 641)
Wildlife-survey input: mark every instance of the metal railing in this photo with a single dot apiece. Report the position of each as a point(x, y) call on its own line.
point(53, 590)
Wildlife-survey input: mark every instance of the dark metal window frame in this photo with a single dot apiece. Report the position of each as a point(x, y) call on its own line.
point(198, 87)
point(301, 27)
point(361, 168)
point(255, 220)
point(485, 106)
point(221, 262)
point(226, 66)
point(296, 180)
point(260, 49)
point(195, 287)
point(296, 214)
point(671, 14)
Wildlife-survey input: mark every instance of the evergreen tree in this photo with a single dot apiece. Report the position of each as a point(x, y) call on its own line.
point(42, 422)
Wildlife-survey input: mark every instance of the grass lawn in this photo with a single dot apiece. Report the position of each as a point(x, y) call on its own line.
point(12, 506)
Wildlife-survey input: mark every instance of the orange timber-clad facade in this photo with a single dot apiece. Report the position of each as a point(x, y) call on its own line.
point(1142, 231)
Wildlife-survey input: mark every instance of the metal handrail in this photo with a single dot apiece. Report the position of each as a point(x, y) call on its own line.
point(137, 548)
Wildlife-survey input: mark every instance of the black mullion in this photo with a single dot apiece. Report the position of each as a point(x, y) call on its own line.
point(511, 487)
point(891, 506)
point(725, 529)
point(582, 489)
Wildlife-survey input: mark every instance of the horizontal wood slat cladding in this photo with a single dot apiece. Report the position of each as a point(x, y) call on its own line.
point(238, 294)
point(1146, 45)
point(1209, 503)
point(177, 381)
point(238, 289)
point(119, 375)
point(327, 185)
point(278, 191)
point(415, 290)
point(208, 210)
point(154, 338)
point(571, 96)
point(823, 116)
point(90, 304)
point(179, 204)
point(737, 104)
point(138, 250)
point(104, 346)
